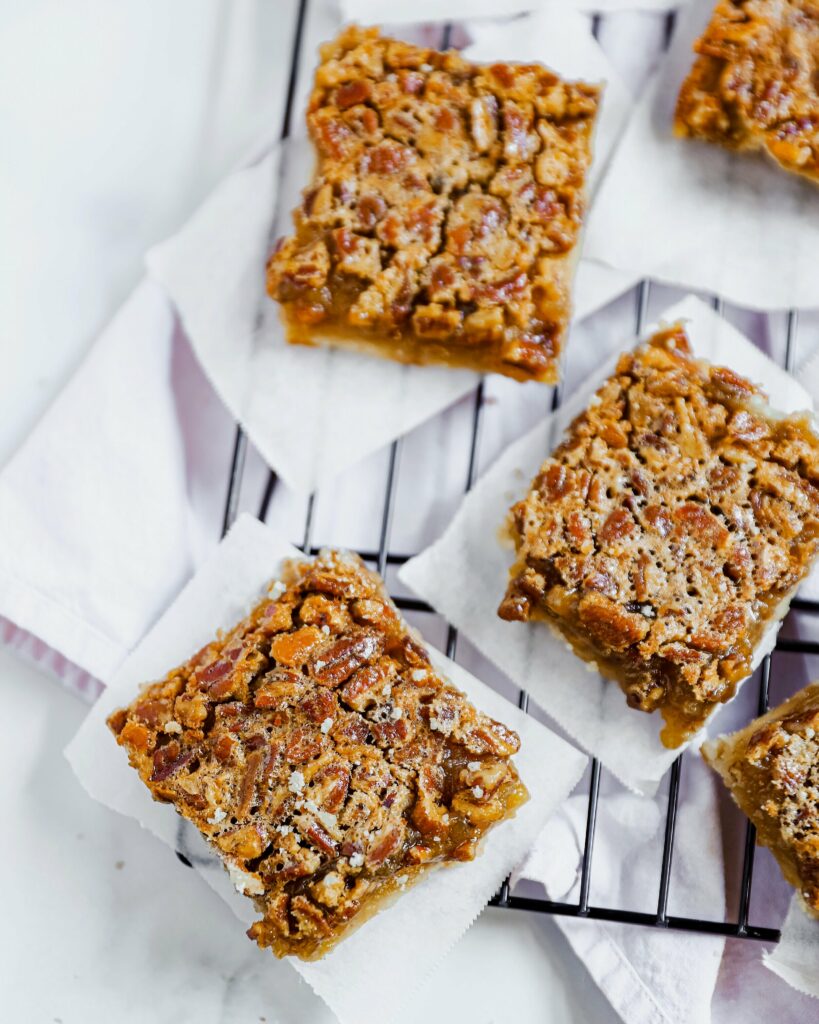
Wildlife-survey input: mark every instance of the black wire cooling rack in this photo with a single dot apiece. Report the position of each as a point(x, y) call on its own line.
point(382, 557)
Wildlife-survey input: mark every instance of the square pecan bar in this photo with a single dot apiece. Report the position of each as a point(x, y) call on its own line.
point(442, 224)
point(321, 754)
point(771, 768)
point(755, 83)
point(669, 529)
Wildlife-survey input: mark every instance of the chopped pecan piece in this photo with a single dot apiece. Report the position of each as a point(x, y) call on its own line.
point(334, 663)
point(369, 684)
point(331, 785)
point(320, 706)
point(428, 813)
point(318, 610)
point(279, 688)
point(475, 808)
point(133, 734)
point(295, 648)
point(168, 760)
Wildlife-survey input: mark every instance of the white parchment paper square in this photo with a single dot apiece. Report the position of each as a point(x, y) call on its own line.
point(696, 215)
point(368, 978)
point(464, 574)
point(796, 957)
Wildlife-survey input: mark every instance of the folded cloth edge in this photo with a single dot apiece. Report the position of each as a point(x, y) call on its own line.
point(86, 649)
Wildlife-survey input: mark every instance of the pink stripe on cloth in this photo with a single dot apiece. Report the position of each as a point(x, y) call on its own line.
point(38, 653)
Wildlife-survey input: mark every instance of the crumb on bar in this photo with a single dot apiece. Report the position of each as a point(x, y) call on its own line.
point(668, 530)
point(755, 82)
point(322, 755)
point(442, 223)
point(771, 768)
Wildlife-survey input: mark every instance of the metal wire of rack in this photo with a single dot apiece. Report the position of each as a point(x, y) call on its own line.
point(383, 556)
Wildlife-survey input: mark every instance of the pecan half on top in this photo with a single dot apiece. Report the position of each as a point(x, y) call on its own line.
point(321, 754)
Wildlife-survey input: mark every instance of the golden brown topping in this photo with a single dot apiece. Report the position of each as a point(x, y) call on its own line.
point(755, 83)
point(322, 755)
point(443, 221)
point(665, 530)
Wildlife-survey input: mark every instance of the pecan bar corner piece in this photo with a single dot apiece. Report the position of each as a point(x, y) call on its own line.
point(771, 768)
point(755, 82)
point(322, 756)
point(443, 222)
point(668, 531)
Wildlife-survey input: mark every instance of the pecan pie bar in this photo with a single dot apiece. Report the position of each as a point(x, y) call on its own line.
point(771, 768)
point(667, 532)
point(321, 754)
point(755, 83)
point(443, 220)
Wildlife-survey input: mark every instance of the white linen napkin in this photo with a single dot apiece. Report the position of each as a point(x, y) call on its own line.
point(93, 505)
point(112, 500)
point(746, 992)
point(650, 975)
